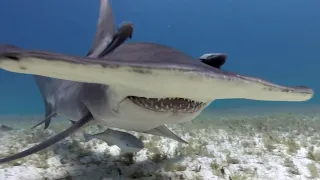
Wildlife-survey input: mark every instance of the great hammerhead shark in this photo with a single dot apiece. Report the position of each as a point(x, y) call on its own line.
point(134, 86)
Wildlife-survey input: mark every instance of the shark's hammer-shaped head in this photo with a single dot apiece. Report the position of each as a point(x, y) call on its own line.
point(144, 85)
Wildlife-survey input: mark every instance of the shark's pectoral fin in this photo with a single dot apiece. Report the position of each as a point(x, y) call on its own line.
point(164, 131)
point(214, 59)
point(46, 121)
point(124, 32)
point(42, 83)
point(49, 114)
point(49, 141)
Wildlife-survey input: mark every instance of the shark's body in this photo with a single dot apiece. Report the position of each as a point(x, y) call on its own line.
point(138, 87)
point(71, 99)
point(63, 97)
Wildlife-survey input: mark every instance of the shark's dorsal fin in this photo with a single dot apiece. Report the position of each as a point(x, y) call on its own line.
point(164, 131)
point(105, 29)
point(214, 59)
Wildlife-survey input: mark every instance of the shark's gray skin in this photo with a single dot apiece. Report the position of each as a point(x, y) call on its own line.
point(212, 59)
point(140, 86)
point(65, 97)
point(55, 91)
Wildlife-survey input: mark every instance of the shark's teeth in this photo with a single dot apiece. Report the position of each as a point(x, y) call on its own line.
point(181, 105)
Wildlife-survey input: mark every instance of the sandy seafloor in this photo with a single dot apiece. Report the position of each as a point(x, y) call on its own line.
point(231, 144)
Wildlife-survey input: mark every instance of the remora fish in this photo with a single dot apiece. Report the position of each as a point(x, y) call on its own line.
point(127, 142)
point(141, 86)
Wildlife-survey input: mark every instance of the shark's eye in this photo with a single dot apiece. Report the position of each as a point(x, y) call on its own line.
point(127, 144)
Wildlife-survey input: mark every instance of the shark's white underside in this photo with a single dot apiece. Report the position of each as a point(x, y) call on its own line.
point(173, 81)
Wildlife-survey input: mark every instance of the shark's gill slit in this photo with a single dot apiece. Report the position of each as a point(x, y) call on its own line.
point(168, 104)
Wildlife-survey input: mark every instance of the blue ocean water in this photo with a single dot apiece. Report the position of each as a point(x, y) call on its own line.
point(275, 40)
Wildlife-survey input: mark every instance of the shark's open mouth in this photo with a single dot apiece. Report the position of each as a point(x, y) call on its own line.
point(181, 105)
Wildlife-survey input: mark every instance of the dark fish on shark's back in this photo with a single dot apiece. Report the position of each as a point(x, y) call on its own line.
point(124, 32)
point(214, 59)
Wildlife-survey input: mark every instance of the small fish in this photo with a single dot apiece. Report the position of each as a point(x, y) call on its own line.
point(127, 142)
